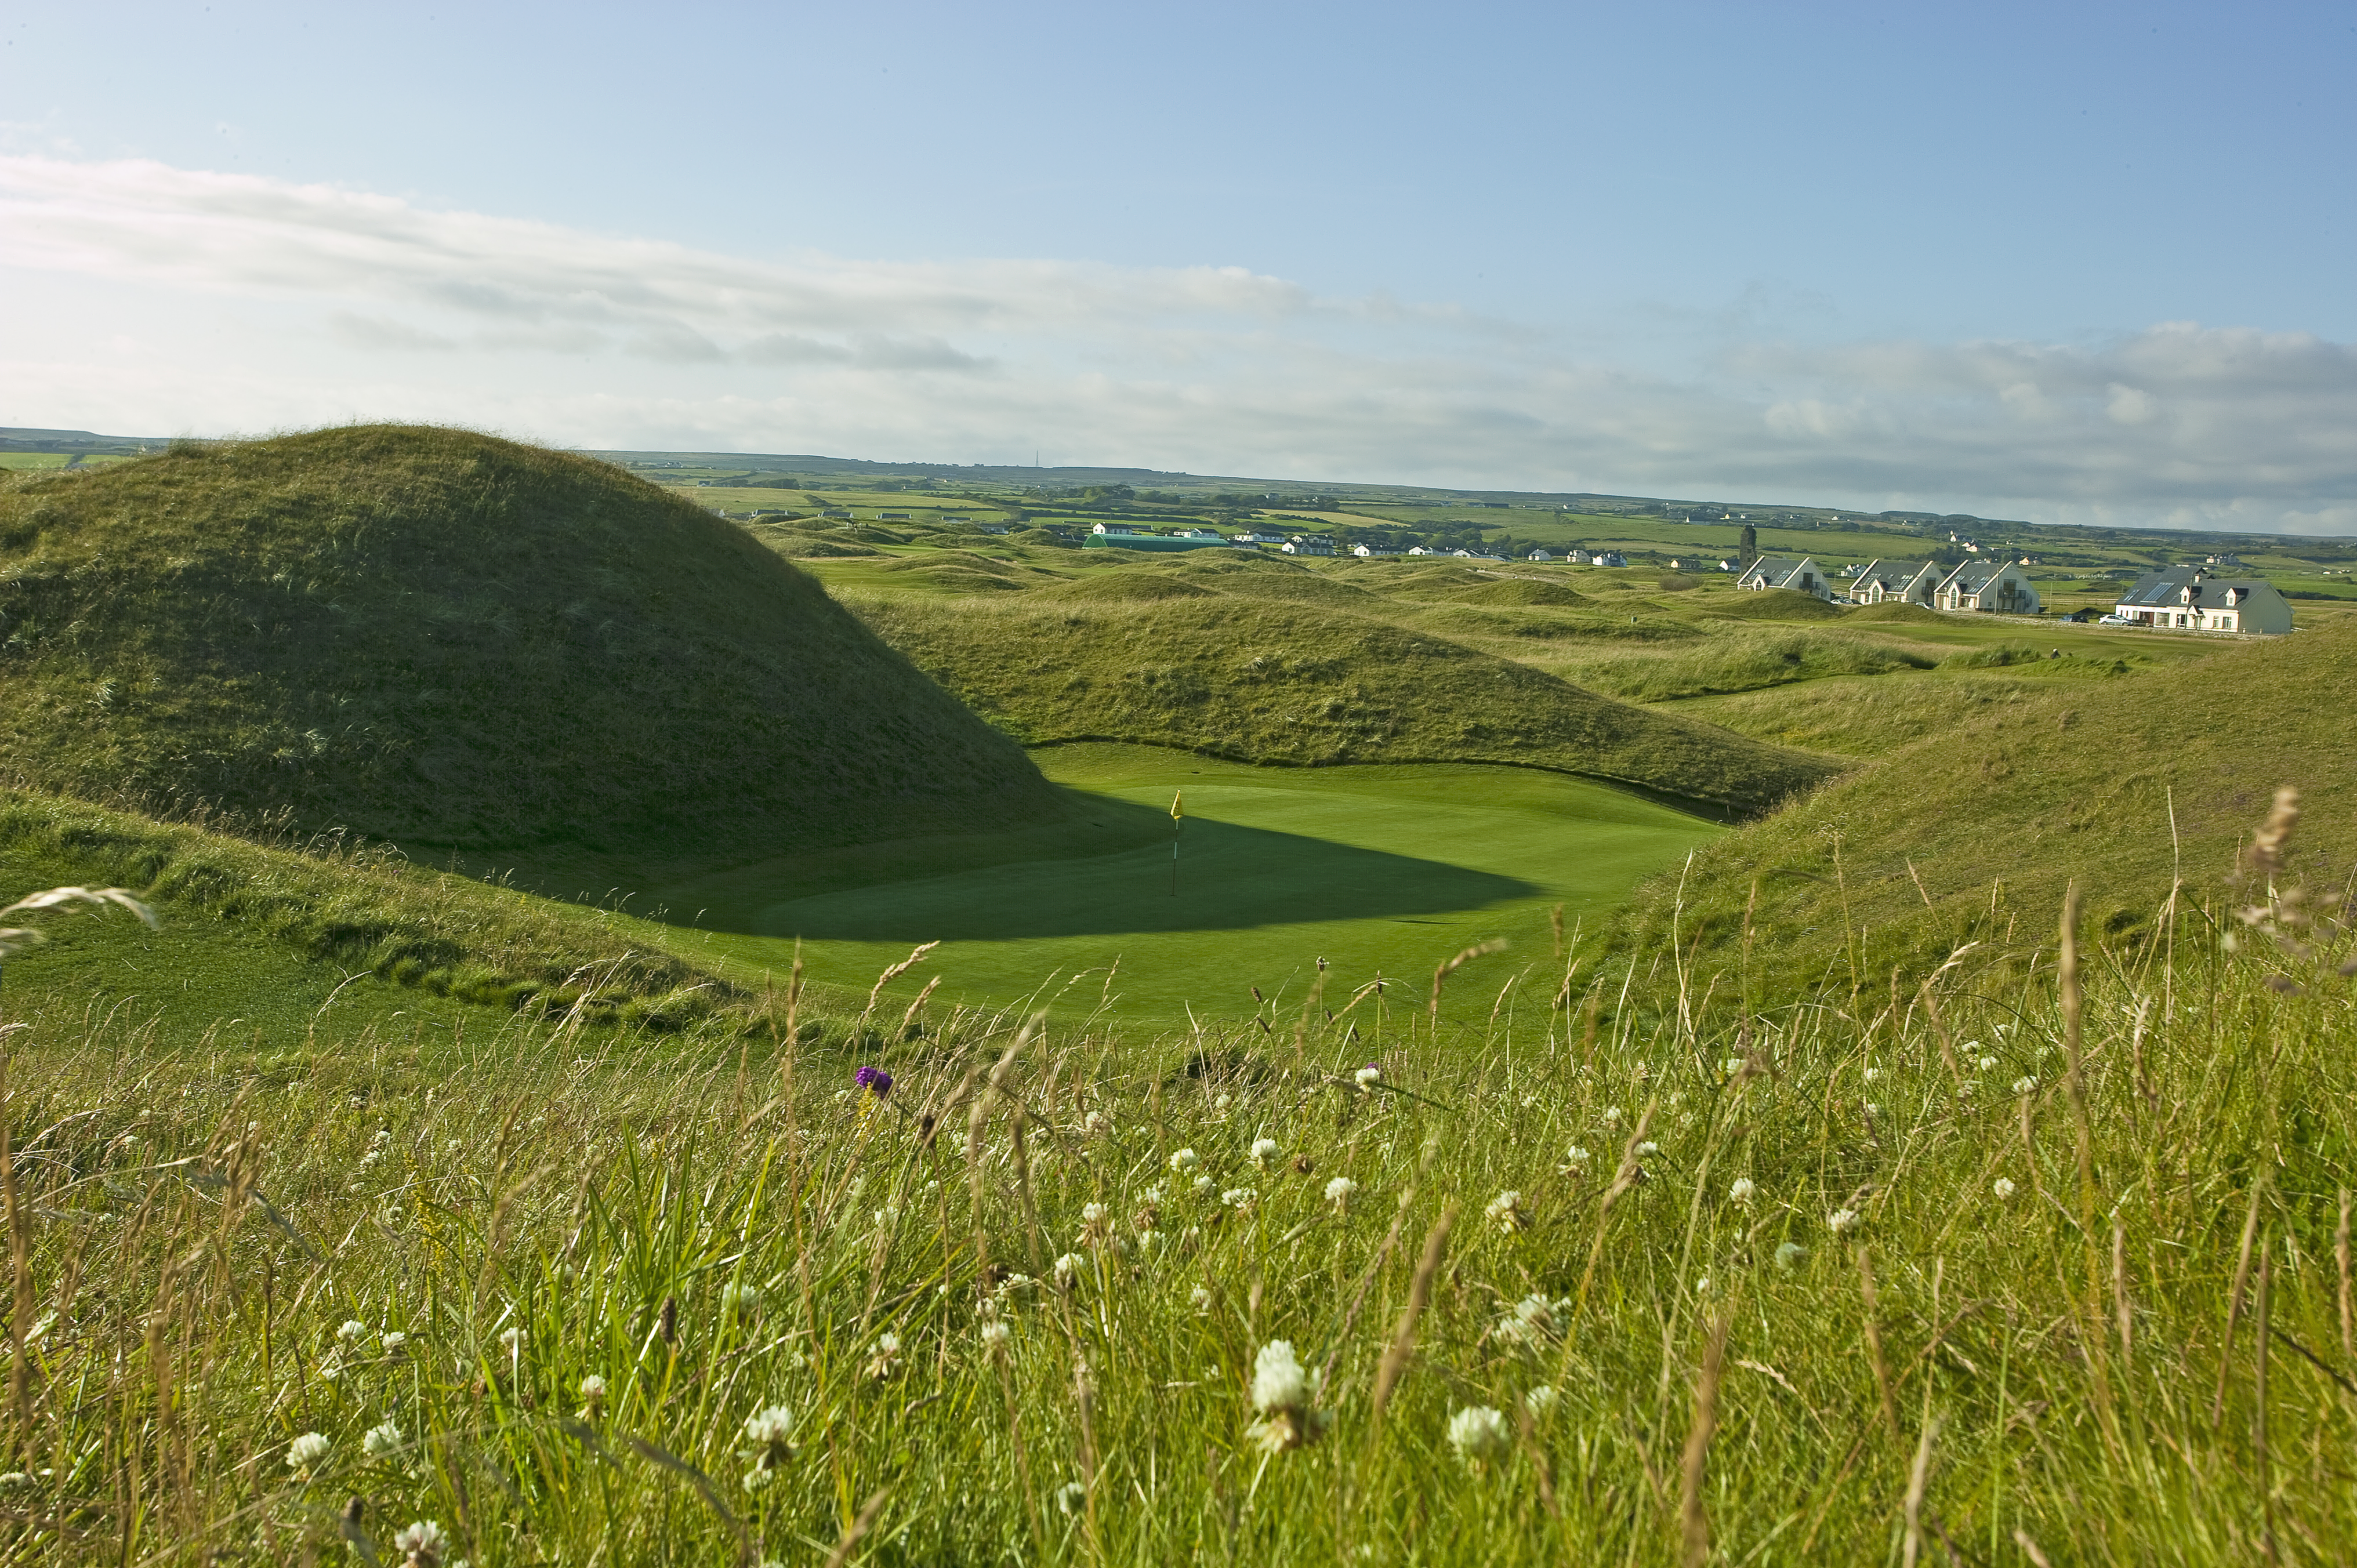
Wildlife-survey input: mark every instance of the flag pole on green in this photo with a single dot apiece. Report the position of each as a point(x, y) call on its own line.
point(1178, 822)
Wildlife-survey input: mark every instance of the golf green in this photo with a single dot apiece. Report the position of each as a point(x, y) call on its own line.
point(1376, 870)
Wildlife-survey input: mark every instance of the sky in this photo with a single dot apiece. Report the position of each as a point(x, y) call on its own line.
point(2084, 264)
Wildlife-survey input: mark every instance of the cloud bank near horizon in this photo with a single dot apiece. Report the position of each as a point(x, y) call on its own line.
point(156, 300)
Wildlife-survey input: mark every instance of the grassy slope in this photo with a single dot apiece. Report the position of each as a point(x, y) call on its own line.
point(2032, 793)
point(1266, 681)
point(265, 932)
point(453, 641)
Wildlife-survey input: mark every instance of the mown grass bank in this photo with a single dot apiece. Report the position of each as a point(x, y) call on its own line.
point(1985, 1271)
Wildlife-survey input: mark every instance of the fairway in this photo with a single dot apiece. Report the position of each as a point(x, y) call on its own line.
point(1379, 870)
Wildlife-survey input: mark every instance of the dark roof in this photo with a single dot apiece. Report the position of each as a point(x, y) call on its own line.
point(2155, 589)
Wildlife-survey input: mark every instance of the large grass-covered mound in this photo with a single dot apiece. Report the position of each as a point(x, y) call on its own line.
point(461, 643)
point(1972, 832)
point(1277, 683)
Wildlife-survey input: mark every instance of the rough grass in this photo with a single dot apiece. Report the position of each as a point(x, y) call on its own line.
point(1897, 610)
point(1743, 660)
point(358, 911)
point(1773, 604)
point(449, 640)
point(1273, 682)
point(2002, 1277)
point(2122, 784)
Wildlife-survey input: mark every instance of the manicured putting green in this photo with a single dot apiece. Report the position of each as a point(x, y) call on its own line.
point(1382, 870)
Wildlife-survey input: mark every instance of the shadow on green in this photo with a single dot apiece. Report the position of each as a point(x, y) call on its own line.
point(1224, 876)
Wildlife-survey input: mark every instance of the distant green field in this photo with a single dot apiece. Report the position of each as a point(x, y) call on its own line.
point(1379, 870)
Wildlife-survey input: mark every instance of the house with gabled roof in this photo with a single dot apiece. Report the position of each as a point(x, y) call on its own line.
point(1909, 582)
point(1997, 587)
point(2188, 598)
point(1770, 572)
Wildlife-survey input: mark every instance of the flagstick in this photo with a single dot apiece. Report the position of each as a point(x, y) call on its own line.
point(1178, 825)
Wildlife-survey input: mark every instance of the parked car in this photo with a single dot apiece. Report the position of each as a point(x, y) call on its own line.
point(2114, 620)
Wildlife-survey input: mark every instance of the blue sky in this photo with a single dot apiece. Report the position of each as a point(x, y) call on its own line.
point(2086, 263)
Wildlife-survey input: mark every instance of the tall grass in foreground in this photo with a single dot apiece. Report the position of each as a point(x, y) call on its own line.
point(2054, 1273)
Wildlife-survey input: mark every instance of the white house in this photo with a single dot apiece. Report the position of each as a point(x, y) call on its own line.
point(1804, 575)
point(1372, 552)
point(1912, 581)
point(1608, 558)
point(1258, 536)
point(1122, 529)
point(2188, 598)
point(1998, 588)
point(1538, 555)
point(1307, 544)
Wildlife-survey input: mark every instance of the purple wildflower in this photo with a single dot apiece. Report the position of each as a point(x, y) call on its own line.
point(875, 1079)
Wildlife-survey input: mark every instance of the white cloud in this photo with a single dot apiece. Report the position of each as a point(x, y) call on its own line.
point(257, 304)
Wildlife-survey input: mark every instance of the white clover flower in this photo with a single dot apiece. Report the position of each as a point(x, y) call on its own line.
point(1702, 1285)
point(2003, 1186)
point(353, 1331)
point(1988, 1064)
point(1282, 1392)
point(1204, 1184)
point(331, 1366)
point(1183, 1161)
point(769, 1427)
point(1150, 1241)
point(1575, 1159)
point(1742, 1189)
point(1789, 1256)
point(735, 1299)
point(1220, 1106)
point(758, 1479)
point(1842, 1221)
point(994, 1336)
point(1871, 1109)
point(422, 1545)
point(886, 1359)
point(1341, 1190)
point(1531, 1323)
point(1200, 1298)
point(1096, 1124)
point(1731, 1065)
point(1279, 1382)
point(1612, 1116)
point(393, 1341)
point(384, 1441)
point(1479, 1434)
point(1871, 1074)
point(1153, 1194)
point(1071, 1498)
point(1263, 1151)
point(2025, 1085)
point(1367, 1077)
point(308, 1450)
point(1540, 1400)
point(512, 1340)
point(1066, 1268)
point(1646, 1149)
point(1239, 1197)
point(1507, 1213)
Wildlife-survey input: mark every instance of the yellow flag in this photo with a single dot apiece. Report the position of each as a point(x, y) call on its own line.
point(1176, 809)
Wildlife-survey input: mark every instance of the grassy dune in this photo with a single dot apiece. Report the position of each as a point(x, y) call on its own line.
point(1972, 831)
point(1255, 680)
point(456, 642)
point(1986, 1276)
